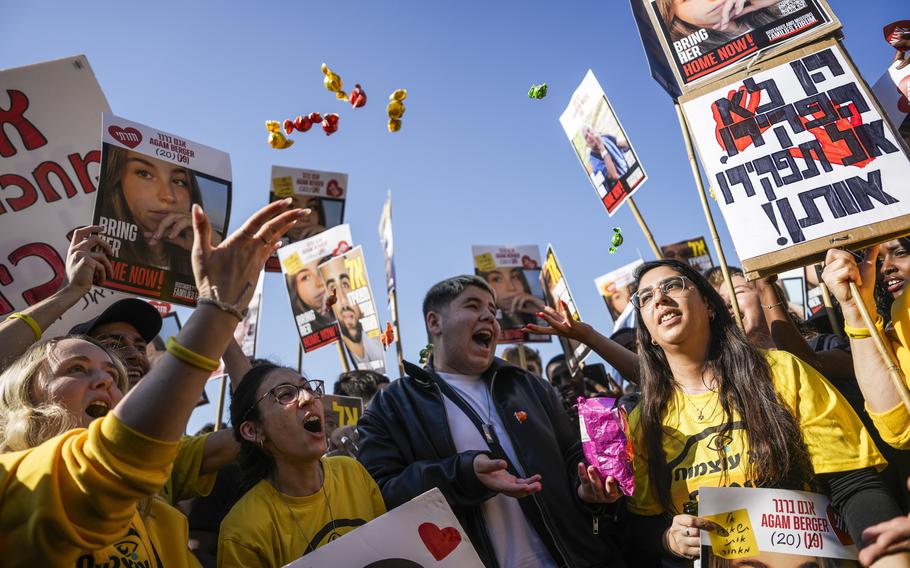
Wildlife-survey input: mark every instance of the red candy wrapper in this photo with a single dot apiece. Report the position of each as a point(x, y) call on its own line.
point(895, 30)
point(606, 441)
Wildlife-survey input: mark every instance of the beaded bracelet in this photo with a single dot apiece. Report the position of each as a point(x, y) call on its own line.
point(30, 321)
point(190, 357)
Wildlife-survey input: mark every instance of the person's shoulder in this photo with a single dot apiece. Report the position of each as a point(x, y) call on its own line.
point(247, 512)
point(345, 465)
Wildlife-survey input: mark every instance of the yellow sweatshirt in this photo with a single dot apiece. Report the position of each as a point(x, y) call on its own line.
point(72, 501)
point(894, 425)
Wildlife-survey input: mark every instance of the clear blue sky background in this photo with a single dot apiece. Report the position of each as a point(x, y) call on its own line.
point(476, 161)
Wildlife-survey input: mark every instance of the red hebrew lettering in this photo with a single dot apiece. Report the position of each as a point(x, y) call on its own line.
point(5, 280)
point(80, 166)
point(43, 171)
point(27, 199)
point(46, 253)
point(31, 136)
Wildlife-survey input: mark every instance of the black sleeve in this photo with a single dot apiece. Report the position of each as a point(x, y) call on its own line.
point(861, 499)
point(643, 543)
point(400, 477)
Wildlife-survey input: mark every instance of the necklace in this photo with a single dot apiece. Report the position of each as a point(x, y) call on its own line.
point(309, 543)
point(701, 410)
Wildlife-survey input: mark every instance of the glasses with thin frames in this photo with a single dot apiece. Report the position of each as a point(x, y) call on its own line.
point(285, 394)
point(675, 287)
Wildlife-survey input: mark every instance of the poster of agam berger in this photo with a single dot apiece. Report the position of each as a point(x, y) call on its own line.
point(150, 181)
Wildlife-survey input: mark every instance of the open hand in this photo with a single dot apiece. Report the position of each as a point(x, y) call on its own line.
point(561, 324)
point(495, 476)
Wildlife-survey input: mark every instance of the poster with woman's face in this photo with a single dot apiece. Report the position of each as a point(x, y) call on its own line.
point(514, 274)
point(322, 192)
point(150, 181)
point(307, 292)
point(705, 39)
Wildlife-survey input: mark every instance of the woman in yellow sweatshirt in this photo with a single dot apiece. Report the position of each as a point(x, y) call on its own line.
point(299, 500)
point(81, 496)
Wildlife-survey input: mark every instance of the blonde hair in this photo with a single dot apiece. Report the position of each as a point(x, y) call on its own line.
point(25, 422)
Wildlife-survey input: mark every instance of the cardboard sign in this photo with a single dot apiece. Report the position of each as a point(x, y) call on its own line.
point(893, 92)
point(801, 160)
point(388, 246)
point(773, 527)
point(150, 181)
point(601, 144)
point(50, 160)
point(556, 290)
point(323, 192)
point(345, 276)
point(613, 287)
point(693, 251)
point(341, 411)
point(704, 42)
point(514, 274)
point(422, 533)
point(307, 293)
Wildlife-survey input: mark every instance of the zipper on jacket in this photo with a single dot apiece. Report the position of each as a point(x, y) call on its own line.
point(596, 525)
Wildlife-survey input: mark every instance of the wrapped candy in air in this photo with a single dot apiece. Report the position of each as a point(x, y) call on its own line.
point(606, 441)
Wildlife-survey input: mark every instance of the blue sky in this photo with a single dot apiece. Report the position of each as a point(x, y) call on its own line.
point(476, 161)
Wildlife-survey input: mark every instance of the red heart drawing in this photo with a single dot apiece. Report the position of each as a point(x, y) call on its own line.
point(342, 248)
point(528, 263)
point(126, 136)
point(164, 308)
point(440, 542)
point(333, 189)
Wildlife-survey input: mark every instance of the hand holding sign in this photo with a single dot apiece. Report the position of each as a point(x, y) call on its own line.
point(683, 538)
point(840, 270)
point(87, 261)
point(495, 476)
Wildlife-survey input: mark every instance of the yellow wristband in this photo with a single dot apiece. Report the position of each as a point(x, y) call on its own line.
point(36, 329)
point(191, 357)
point(863, 332)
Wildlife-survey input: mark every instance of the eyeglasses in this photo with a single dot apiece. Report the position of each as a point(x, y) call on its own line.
point(118, 343)
point(675, 287)
point(285, 394)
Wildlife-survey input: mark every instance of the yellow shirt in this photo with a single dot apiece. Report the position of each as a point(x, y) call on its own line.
point(833, 433)
point(185, 481)
point(76, 494)
point(261, 530)
point(894, 425)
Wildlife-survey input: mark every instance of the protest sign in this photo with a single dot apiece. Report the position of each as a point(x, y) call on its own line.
point(247, 332)
point(556, 290)
point(341, 411)
point(388, 245)
point(322, 192)
point(693, 251)
point(772, 527)
point(306, 290)
point(601, 144)
point(801, 159)
point(703, 42)
point(345, 277)
point(514, 274)
point(614, 289)
point(150, 181)
point(49, 165)
point(794, 284)
point(893, 92)
point(422, 533)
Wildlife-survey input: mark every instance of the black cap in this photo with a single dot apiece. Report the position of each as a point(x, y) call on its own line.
point(138, 313)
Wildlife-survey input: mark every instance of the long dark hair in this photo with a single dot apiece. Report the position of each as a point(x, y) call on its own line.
point(112, 204)
point(255, 462)
point(777, 453)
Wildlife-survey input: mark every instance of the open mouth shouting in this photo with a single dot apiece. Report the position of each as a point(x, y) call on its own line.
point(669, 317)
point(313, 424)
point(483, 338)
point(97, 408)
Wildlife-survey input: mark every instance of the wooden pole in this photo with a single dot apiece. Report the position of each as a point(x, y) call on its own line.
point(690, 150)
point(344, 359)
point(299, 358)
point(522, 357)
point(829, 308)
point(894, 370)
point(399, 350)
point(645, 229)
point(219, 414)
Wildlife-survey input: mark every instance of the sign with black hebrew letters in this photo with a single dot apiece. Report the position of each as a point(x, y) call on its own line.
point(801, 159)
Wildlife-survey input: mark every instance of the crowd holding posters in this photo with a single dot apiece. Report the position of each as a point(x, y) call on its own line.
point(893, 92)
point(614, 288)
point(514, 274)
point(306, 290)
point(705, 41)
point(322, 192)
point(422, 533)
point(772, 527)
point(49, 162)
point(693, 251)
point(601, 144)
point(345, 278)
point(798, 154)
point(150, 181)
point(556, 290)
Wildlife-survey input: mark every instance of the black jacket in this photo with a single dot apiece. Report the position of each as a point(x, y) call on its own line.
point(407, 447)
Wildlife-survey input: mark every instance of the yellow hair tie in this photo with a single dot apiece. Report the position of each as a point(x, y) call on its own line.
point(863, 332)
point(191, 357)
point(36, 329)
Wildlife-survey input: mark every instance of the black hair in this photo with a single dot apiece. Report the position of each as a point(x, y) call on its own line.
point(441, 294)
point(255, 462)
point(362, 384)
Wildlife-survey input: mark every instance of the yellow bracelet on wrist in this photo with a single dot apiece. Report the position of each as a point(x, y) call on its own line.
point(863, 332)
point(30, 321)
point(191, 357)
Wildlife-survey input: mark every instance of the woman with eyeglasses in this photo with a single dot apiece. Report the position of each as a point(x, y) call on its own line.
point(298, 499)
point(716, 412)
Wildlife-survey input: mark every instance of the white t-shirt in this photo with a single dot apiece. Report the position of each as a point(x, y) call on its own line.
point(515, 541)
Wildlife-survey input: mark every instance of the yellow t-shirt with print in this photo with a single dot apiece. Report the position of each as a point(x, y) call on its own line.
point(185, 481)
point(76, 496)
point(894, 425)
point(260, 530)
point(833, 433)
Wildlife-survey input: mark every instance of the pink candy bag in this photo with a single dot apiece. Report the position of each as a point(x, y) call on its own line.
point(606, 441)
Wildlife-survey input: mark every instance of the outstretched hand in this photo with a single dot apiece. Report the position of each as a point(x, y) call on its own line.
point(594, 490)
point(561, 324)
point(495, 476)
